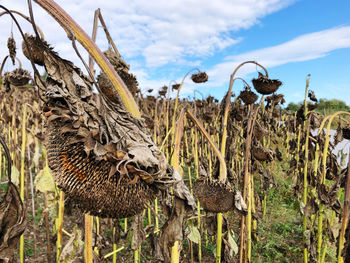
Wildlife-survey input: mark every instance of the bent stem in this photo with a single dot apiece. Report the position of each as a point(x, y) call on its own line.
point(222, 177)
point(323, 177)
point(228, 100)
point(175, 162)
point(177, 100)
point(306, 161)
point(26, 18)
point(345, 216)
point(74, 30)
point(24, 111)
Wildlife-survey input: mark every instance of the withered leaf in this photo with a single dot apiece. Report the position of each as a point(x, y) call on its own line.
point(13, 222)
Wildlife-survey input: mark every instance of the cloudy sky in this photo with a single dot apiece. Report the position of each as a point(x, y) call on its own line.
point(163, 39)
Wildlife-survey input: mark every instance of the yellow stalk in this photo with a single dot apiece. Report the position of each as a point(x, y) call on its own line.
point(177, 101)
point(136, 256)
point(264, 202)
point(196, 161)
point(155, 140)
point(149, 216)
point(0, 165)
point(224, 138)
point(298, 147)
point(212, 144)
point(125, 225)
point(24, 137)
point(165, 139)
point(249, 220)
point(175, 252)
point(156, 217)
point(59, 226)
point(114, 252)
point(255, 223)
point(330, 118)
point(306, 161)
point(228, 103)
point(222, 177)
point(345, 216)
point(88, 238)
point(175, 162)
point(71, 27)
point(188, 154)
point(114, 259)
point(97, 220)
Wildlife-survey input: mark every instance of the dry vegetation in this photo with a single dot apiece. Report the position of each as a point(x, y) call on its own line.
point(202, 180)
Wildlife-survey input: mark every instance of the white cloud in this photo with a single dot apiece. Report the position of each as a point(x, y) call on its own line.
point(163, 32)
point(177, 33)
point(306, 47)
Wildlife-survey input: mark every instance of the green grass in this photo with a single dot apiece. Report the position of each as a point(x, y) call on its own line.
point(280, 234)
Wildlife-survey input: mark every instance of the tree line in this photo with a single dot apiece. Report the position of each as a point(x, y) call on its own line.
point(324, 106)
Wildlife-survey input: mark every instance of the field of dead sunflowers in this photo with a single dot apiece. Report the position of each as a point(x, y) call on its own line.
point(94, 170)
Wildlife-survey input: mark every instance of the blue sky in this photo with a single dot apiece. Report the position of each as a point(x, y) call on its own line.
point(162, 40)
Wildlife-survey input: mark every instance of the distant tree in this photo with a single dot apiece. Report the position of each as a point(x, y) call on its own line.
point(293, 107)
point(324, 106)
point(330, 106)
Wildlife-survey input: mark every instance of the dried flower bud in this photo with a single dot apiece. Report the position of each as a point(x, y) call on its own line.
point(18, 77)
point(199, 77)
point(175, 87)
point(162, 92)
point(274, 98)
point(248, 96)
point(266, 86)
point(312, 96)
point(11, 44)
point(36, 47)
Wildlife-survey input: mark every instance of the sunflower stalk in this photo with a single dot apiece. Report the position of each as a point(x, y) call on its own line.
point(321, 249)
point(306, 162)
point(88, 238)
point(23, 150)
point(74, 30)
point(59, 226)
point(345, 216)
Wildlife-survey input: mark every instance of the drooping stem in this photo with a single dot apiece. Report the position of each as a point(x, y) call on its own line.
point(212, 144)
point(74, 30)
point(345, 216)
point(3, 64)
point(323, 178)
point(26, 18)
point(228, 102)
point(24, 142)
point(306, 161)
point(175, 162)
point(246, 181)
point(177, 100)
point(99, 16)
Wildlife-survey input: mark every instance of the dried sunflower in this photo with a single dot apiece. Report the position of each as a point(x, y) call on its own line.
point(266, 86)
point(248, 96)
point(11, 44)
point(199, 77)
